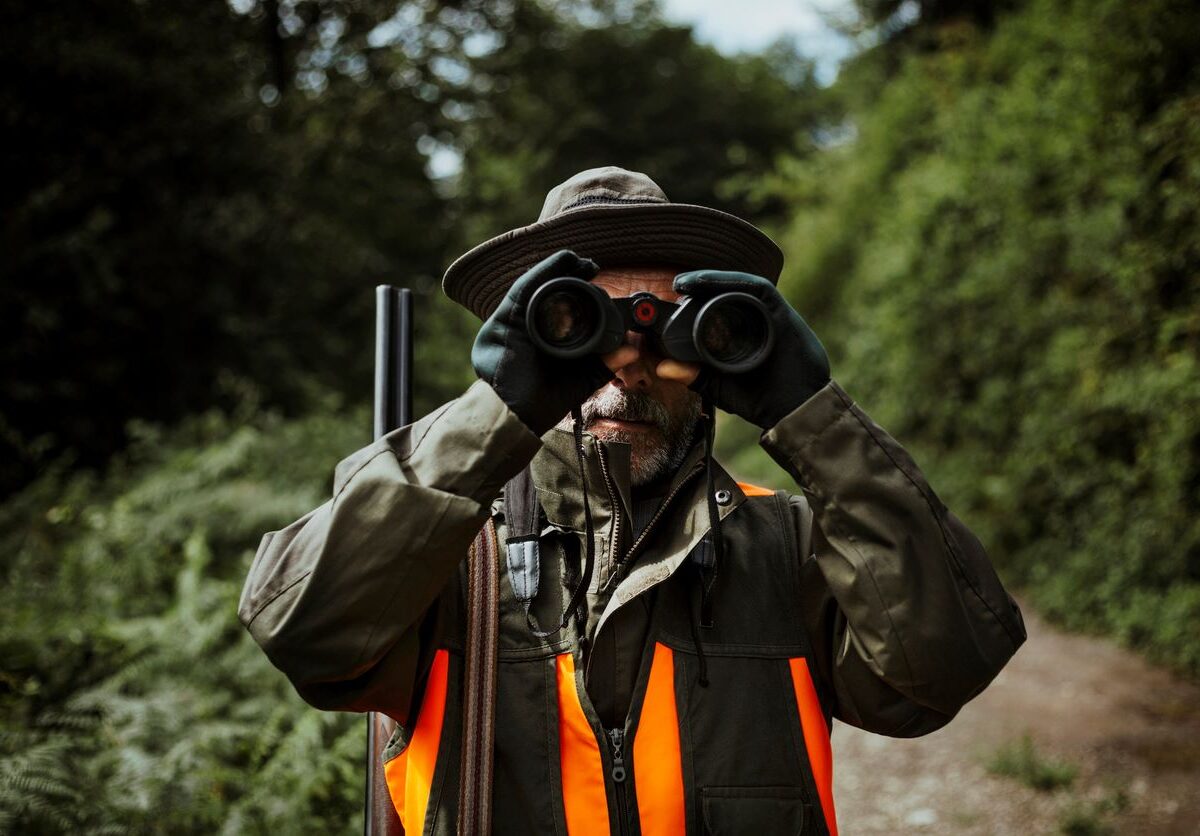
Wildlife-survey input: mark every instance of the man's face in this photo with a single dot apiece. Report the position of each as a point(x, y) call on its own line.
point(654, 415)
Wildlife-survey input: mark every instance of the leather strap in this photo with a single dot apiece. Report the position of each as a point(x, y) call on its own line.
point(522, 513)
point(521, 508)
point(479, 686)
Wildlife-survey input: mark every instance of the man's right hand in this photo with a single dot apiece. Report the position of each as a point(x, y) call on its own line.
point(539, 388)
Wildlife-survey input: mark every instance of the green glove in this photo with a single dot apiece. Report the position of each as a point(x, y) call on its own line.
point(794, 371)
point(539, 388)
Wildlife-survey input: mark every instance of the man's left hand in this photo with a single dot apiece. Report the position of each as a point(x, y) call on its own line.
point(794, 371)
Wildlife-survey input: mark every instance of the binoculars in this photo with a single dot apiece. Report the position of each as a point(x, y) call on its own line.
point(569, 317)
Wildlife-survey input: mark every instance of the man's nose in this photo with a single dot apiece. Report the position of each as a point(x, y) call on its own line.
point(637, 374)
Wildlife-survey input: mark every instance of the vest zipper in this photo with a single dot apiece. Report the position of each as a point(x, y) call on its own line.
point(616, 739)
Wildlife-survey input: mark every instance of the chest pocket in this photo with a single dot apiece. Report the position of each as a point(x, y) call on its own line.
point(754, 740)
point(755, 593)
point(753, 811)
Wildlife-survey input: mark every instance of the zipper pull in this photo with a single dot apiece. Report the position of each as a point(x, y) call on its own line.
point(617, 738)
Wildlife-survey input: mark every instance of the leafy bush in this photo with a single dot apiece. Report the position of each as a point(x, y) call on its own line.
point(1003, 258)
point(131, 700)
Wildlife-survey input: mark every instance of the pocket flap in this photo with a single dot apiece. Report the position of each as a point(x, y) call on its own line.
point(753, 811)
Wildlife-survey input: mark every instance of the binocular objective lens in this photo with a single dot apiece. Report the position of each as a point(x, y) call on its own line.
point(731, 333)
point(564, 319)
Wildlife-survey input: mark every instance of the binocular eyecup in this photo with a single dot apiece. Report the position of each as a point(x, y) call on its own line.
point(732, 332)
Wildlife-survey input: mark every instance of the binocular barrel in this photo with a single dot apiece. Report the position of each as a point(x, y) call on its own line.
point(732, 332)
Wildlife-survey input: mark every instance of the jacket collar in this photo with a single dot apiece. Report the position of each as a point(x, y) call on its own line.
point(555, 473)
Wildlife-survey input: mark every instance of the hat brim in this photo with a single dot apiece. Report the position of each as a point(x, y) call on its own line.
point(679, 234)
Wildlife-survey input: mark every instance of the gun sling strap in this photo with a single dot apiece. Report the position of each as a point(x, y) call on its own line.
point(521, 515)
point(521, 512)
point(479, 687)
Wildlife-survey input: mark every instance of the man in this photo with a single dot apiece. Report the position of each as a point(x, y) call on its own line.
point(686, 681)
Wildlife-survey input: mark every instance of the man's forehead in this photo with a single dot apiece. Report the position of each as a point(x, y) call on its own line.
point(629, 279)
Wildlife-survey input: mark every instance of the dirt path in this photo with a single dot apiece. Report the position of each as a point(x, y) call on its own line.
point(1132, 730)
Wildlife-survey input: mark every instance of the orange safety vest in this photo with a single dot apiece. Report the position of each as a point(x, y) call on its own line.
point(656, 760)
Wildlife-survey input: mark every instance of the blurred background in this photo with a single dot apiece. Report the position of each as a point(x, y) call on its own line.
point(990, 214)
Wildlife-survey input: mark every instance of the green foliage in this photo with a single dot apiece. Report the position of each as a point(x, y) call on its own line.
point(1002, 255)
point(635, 93)
point(37, 789)
point(991, 220)
point(200, 197)
point(198, 201)
point(172, 227)
point(131, 699)
point(1023, 762)
point(1092, 818)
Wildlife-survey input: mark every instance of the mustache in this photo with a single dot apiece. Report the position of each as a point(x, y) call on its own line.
point(623, 405)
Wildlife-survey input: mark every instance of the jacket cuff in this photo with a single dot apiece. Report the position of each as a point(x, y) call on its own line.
point(788, 442)
point(469, 448)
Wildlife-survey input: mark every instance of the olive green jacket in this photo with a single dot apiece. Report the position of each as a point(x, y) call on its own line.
point(866, 575)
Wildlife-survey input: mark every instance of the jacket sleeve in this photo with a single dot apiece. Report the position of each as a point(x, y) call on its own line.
point(337, 598)
point(907, 616)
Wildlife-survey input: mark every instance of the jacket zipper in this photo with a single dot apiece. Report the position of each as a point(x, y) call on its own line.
point(585, 645)
point(663, 507)
point(616, 739)
point(623, 563)
point(613, 499)
point(622, 560)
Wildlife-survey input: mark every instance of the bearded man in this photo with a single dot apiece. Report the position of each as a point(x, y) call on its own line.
point(672, 644)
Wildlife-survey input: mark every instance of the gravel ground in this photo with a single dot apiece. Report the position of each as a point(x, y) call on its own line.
point(1132, 730)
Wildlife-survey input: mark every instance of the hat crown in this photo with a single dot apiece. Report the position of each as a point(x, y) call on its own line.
point(613, 216)
point(609, 184)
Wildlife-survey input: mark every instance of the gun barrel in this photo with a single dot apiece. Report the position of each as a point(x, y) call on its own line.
point(393, 408)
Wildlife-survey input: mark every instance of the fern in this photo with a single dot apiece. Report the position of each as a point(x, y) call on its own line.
point(131, 699)
point(38, 789)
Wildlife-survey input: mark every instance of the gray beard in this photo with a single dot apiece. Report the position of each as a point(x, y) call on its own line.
point(647, 462)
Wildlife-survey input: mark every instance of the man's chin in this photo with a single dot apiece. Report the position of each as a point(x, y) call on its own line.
point(635, 434)
point(648, 450)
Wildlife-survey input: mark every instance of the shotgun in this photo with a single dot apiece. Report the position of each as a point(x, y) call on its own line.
point(393, 408)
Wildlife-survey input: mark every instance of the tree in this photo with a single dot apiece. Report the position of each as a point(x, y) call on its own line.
point(1004, 263)
point(637, 93)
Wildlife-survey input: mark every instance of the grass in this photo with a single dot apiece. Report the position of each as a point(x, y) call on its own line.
point(1082, 820)
point(1021, 761)
point(1092, 818)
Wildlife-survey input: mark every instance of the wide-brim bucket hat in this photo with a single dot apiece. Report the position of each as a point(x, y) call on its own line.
point(614, 217)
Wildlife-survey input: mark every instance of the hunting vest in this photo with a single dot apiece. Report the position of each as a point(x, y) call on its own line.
point(727, 733)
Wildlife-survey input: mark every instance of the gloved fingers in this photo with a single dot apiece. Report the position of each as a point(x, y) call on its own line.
point(703, 381)
point(597, 373)
point(582, 377)
point(562, 263)
point(711, 282)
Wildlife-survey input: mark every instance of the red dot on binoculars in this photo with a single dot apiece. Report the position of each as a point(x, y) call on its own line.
point(644, 312)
